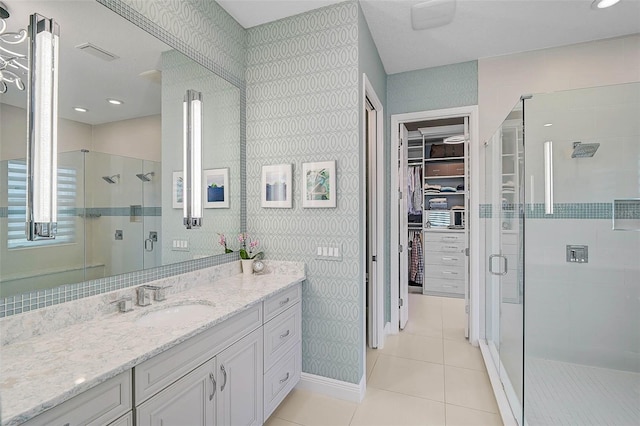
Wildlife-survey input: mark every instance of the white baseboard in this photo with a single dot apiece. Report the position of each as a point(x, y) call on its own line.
point(333, 388)
point(387, 329)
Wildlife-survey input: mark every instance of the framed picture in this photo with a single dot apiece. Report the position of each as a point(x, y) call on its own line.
point(216, 189)
point(319, 184)
point(177, 190)
point(276, 186)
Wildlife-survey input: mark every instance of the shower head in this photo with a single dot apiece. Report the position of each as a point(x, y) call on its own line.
point(111, 179)
point(145, 177)
point(584, 150)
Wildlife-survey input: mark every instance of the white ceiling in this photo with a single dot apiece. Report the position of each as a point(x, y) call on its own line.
point(480, 28)
point(85, 80)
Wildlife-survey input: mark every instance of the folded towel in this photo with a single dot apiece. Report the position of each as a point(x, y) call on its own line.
point(438, 200)
point(448, 189)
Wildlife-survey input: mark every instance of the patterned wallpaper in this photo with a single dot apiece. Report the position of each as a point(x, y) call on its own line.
point(447, 86)
point(302, 106)
point(200, 27)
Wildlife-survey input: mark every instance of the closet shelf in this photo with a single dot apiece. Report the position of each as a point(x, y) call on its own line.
point(446, 194)
point(428, 160)
point(443, 177)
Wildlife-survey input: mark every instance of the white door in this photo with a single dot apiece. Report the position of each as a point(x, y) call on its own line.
point(467, 205)
point(403, 228)
point(189, 401)
point(372, 220)
point(240, 382)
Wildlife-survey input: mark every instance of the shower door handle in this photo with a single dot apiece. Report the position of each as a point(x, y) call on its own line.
point(148, 244)
point(548, 177)
point(506, 263)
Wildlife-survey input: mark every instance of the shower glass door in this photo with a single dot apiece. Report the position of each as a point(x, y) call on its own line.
point(582, 266)
point(501, 214)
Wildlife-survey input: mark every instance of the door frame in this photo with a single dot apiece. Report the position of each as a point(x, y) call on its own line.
point(473, 215)
point(377, 287)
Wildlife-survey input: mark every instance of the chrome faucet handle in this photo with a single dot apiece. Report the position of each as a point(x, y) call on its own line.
point(143, 296)
point(125, 304)
point(159, 293)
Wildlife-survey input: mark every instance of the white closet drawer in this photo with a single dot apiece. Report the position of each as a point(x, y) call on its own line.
point(281, 334)
point(165, 368)
point(439, 247)
point(444, 259)
point(444, 286)
point(98, 406)
point(444, 237)
point(444, 272)
point(281, 302)
point(281, 378)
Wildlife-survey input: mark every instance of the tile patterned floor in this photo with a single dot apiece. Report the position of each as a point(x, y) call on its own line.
point(426, 375)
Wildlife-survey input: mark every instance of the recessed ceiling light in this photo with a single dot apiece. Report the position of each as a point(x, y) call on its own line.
point(603, 4)
point(80, 109)
point(114, 101)
point(548, 125)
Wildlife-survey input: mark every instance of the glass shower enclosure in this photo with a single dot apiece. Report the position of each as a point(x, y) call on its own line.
point(562, 283)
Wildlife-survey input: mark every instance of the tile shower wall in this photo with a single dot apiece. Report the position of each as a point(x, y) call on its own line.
point(428, 89)
point(583, 313)
point(302, 106)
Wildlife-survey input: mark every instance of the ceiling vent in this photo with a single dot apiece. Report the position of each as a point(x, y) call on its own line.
point(432, 14)
point(97, 52)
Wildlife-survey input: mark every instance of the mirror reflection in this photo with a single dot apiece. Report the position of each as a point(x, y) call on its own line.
point(118, 196)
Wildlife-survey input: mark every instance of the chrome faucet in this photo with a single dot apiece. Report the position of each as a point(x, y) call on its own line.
point(125, 304)
point(143, 296)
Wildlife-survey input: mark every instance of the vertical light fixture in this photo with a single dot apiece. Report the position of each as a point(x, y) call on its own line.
point(548, 177)
point(42, 127)
point(192, 159)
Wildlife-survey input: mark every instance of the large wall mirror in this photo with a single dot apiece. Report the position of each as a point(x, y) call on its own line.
point(119, 166)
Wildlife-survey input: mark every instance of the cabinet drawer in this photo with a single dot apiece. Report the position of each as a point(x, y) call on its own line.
point(281, 301)
point(281, 378)
point(281, 334)
point(444, 272)
point(160, 371)
point(444, 286)
point(444, 237)
point(438, 247)
point(97, 406)
point(444, 259)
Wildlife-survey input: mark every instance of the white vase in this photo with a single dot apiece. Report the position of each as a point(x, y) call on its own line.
point(247, 266)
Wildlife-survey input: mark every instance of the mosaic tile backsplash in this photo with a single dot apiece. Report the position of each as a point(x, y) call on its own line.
point(569, 211)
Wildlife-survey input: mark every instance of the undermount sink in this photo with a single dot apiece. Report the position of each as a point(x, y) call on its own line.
point(176, 314)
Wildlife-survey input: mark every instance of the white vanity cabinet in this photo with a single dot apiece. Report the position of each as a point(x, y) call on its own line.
point(240, 370)
point(217, 377)
point(189, 401)
point(101, 405)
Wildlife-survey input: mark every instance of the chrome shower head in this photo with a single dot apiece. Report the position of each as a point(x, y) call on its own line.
point(584, 150)
point(145, 176)
point(111, 179)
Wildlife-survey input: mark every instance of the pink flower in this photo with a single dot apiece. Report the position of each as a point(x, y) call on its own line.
point(253, 244)
point(223, 240)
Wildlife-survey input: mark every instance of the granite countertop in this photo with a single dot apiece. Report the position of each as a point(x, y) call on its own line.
point(40, 372)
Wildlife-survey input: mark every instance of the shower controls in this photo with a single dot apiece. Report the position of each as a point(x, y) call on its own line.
point(118, 235)
point(577, 254)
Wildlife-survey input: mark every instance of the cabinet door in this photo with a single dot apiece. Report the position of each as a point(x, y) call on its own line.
point(191, 401)
point(240, 370)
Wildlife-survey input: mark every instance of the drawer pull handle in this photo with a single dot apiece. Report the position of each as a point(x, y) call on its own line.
point(449, 258)
point(282, 336)
point(284, 302)
point(448, 285)
point(449, 238)
point(449, 273)
point(224, 373)
point(285, 378)
point(213, 382)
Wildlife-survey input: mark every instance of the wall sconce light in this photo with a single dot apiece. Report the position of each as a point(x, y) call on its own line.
point(548, 177)
point(42, 127)
point(192, 159)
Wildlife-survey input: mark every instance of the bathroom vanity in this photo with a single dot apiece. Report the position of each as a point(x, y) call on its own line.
point(225, 352)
